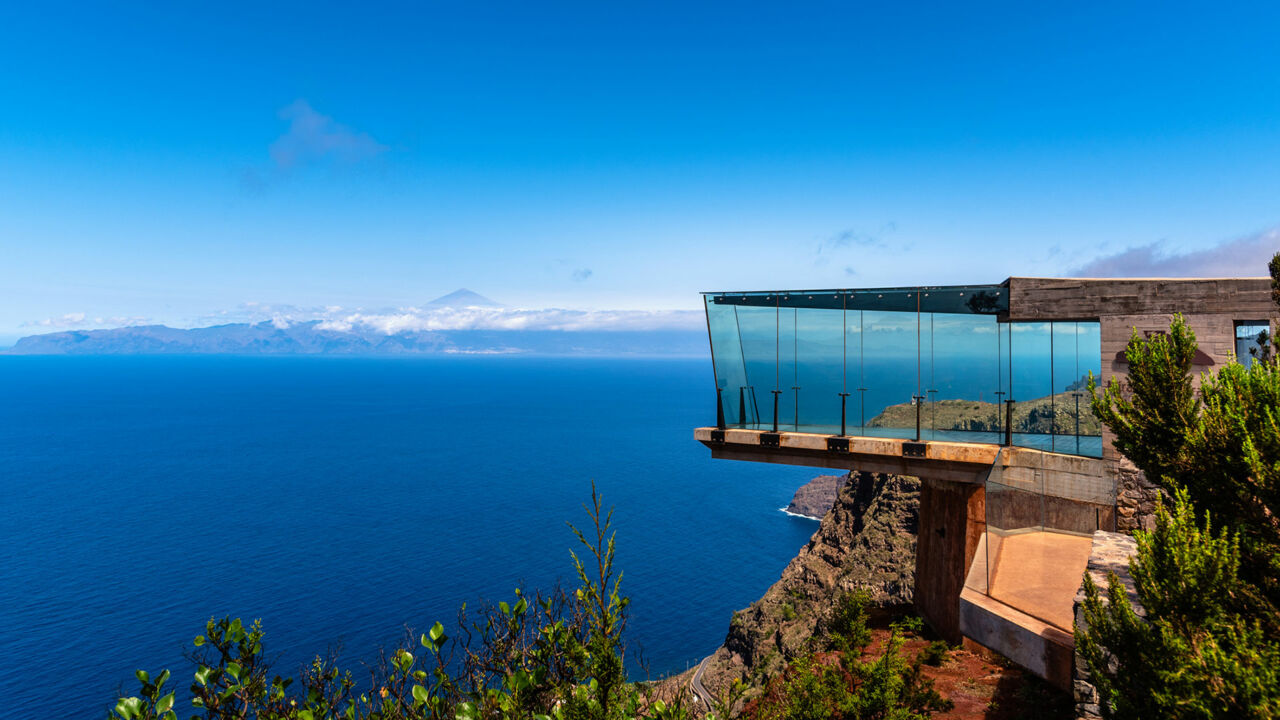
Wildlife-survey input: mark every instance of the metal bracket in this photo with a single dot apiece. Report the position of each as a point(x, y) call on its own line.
point(770, 440)
point(717, 436)
point(914, 449)
point(837, 444)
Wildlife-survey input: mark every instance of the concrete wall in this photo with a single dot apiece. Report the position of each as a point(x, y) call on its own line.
point(1093, 298)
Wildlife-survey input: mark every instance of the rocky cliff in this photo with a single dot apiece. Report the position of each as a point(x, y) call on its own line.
point(867, 541)
point(816, 497)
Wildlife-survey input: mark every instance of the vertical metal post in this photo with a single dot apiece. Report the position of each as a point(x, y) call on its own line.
point(844, 359)
point(777, 356)
point(999, 413)
point(1053, 407)
point(1008, 422)
point(919, 401)
point(742, 406)
point(796, 388)
point(1077, 396)
point(719, 408)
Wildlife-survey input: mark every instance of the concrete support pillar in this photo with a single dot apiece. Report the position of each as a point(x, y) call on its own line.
point(952, 520)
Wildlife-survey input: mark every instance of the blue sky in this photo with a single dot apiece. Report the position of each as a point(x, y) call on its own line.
point(176, 163)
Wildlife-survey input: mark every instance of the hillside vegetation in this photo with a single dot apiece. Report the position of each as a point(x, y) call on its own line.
point(1055, 414)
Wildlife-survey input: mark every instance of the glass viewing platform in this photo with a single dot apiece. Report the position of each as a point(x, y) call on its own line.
point(919, 363)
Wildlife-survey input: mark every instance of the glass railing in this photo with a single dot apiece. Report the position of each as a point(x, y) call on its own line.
point(1041, 513)
point(927, 363)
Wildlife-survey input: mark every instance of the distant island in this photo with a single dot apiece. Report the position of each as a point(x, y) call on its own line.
point(460, 323)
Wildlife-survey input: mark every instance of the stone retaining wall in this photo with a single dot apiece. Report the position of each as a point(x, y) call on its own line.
point(1110, 554)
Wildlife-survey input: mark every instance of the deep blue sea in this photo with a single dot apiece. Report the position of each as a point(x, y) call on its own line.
point(341, 500)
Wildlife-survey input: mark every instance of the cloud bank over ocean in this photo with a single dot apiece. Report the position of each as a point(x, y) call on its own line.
point(460, 310)
point(1240, 257)
point(476, 318)
point(461, 322)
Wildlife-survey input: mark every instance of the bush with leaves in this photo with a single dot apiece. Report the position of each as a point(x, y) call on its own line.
point(558, 656)
point(1222, 445)
point(1209, 643)
point(841, 685)
point(1198, 652)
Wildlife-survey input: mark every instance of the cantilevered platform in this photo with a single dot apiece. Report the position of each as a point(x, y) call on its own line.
point(939, 460)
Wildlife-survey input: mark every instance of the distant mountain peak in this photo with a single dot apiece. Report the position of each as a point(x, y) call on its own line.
point(463, 297)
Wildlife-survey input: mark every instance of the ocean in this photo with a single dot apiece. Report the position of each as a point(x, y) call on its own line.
point(341, 500)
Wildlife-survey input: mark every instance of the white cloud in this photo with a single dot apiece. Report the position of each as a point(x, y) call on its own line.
point(312, 136)
point(477, 318)
point(71, 321)
point(1241, 257)
point(334, 318)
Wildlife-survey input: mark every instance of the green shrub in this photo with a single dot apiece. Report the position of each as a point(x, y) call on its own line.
point(843, 686)
point(934, 653)
point(1222, 446)
point(1197, 653)
point(1209, 644)
point(557, 656)
point(846, 629)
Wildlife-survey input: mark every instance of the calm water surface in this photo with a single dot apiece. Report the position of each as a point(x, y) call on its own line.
point(341, 500)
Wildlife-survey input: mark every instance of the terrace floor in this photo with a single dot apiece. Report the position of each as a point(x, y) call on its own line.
point(1039, 573)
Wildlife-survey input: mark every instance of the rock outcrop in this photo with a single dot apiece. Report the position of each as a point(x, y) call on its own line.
point(816, 497)
point(867, 541)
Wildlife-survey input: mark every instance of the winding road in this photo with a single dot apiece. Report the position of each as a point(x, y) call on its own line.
point(699, 689)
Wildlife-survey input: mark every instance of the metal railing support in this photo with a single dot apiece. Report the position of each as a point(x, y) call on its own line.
point(844, 401)
point(1008, 422)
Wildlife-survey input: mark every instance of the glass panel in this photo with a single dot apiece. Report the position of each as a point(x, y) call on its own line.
point(855, 371)
point(890, 359)
point(758, 328)
point(960, 357)
point(1248, 334)
point(726, 355)
point(1064, 404)
point(1032, 355)
point(1041, 514)
point(821, 356)
point(788, 368)
point(1088, 337)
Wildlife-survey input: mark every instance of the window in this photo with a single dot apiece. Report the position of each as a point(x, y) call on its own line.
point(1251, 335)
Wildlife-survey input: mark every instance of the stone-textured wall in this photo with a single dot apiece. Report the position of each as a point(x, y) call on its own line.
point(1110, 554)
point(1135, 498)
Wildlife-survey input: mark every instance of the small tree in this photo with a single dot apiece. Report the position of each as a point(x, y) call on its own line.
point(1152, 412)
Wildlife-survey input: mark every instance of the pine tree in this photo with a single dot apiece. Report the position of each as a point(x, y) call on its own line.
point(1198, 652)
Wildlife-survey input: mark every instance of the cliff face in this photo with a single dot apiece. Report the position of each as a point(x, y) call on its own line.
point(866, 541)
point(816, 497)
